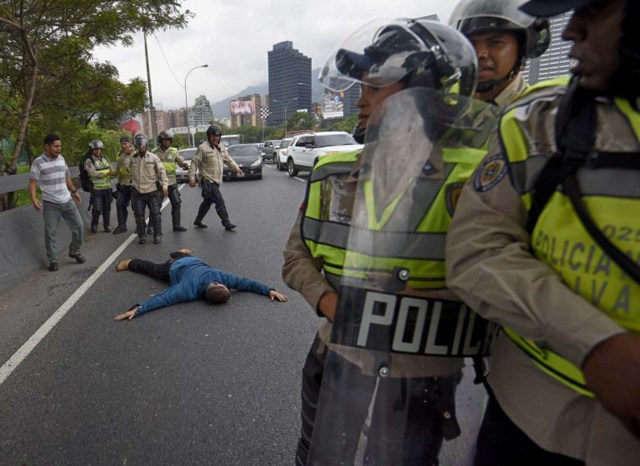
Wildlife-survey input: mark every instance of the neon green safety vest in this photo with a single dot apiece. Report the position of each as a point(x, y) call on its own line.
point(168, 159)
point(559, 238)
point(102, 166)
point(422, 252)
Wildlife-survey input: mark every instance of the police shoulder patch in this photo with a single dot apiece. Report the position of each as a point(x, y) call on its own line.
point(452, 195)
point(490, 172)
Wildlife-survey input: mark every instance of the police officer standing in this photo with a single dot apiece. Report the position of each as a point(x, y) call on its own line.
point(147, 172)
point(504, 37)
point(405, 70)
point(170, 158)
point(100, 173)
point(209, 160)
point(544, 243)
point(123, 171)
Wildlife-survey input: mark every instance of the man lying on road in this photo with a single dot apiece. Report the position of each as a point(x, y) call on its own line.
point(190, 279)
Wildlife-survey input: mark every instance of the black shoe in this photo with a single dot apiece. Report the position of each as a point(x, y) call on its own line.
point(229, 226)
point(53, 266)
point(179, 228)
point(199, 224)
point(94, 228)
point(107, 229)
point(149, 230)
point(78, 257)
point(157, 239)
point(119, 230)
point(142, 240)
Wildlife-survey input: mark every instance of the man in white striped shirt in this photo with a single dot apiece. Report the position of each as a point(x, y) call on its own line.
point(51, 173)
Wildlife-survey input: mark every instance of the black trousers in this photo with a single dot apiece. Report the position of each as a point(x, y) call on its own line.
point(151, 269)
point(101, 205)
point(211, 195)
point(502, 443)
point(139, 202)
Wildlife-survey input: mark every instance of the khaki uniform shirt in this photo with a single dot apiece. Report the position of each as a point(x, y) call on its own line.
point(490, 266)
point(124, 162)
point(209, 160)
point(90, 167)
point(178, 160)
point(146, 171)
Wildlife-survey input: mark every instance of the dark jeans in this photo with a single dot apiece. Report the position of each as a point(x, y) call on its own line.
point(502, 443)
point(151, 269)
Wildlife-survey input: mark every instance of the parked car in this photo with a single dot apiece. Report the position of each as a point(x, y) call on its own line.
point(306, 147)
point(182, 175)
point(248, 158)
point(269, 149)
point(280, 159)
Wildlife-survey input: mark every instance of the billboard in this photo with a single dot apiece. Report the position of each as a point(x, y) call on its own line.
point(242, 107)
point(332, 105)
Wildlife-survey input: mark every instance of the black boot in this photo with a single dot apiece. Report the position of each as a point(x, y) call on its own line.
point(175, 218)
point(224, 216)
point(201, 213)
point(122, 222)
point(95, 220)
point(107, 227)
point(157, 229)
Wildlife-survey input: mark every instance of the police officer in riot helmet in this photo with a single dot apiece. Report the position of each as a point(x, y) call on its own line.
point(393, 61)
point(504, 38)
point(541, 244)
point(100, 173)
point(209, 160)
point(170, 159)
point(123, 171)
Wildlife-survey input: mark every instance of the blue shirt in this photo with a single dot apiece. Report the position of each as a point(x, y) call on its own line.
point(189, 278)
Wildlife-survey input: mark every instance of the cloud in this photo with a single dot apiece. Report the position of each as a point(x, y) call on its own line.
point(233, 38)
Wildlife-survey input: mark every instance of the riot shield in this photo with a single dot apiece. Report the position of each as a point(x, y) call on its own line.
point(399, 337)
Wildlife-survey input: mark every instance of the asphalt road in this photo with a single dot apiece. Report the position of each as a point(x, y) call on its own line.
point(189, 384)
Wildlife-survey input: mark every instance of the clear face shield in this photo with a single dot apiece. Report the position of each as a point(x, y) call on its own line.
point(382, 49)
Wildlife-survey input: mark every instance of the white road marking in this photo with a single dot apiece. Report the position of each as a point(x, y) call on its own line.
point(26, 349)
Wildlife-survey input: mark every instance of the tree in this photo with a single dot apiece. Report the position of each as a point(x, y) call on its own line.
point(301, 121)
point(38, 36)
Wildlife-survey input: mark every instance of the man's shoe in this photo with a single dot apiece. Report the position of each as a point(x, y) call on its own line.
point(123, 265)
point(107, 229)
point(199, 224)
point(78, 257)
point(229, 226)
point(119, 230)
point(142, 240)
point(176, 253)
point(53, 266)
point(179, 228)
point(157, 239)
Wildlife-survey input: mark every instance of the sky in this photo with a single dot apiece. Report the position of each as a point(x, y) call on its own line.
point(233, 38)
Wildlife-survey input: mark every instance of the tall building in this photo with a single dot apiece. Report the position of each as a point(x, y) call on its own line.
point(555, 61)
point(161, 118)
point(245, 111)
point(289, 82)
point(351, 96)
point(177, 118)
point(201, 113)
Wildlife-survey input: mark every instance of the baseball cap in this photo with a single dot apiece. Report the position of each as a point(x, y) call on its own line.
point(546, 8)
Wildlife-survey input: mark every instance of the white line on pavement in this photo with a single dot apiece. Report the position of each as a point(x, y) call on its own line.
point(26, 349)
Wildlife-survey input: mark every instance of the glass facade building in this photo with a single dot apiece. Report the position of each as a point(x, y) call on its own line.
point(555, 61)
point(289, 82)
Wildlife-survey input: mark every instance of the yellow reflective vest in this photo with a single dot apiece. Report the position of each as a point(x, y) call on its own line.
point(611, 196)
point(168, 159)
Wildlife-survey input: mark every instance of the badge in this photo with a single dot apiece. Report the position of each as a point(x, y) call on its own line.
point(452, 195)
point(490, 172)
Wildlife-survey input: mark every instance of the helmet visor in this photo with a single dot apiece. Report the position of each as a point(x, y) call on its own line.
point(379, 54)
point(505, 14)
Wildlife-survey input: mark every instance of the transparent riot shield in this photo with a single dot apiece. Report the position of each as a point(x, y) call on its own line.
point(400, 338)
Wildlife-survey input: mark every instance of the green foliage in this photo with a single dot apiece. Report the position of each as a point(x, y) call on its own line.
point(52, 42)
point(300, 121)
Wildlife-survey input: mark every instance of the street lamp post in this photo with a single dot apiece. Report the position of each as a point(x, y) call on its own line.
point(284, 107)
point(186, 104)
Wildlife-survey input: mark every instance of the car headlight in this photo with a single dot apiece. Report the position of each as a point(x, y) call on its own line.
point(257, 163)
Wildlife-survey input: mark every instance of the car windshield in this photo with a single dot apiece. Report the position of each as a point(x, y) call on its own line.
point(242, 150)
point(326, 140)
point(187, 154)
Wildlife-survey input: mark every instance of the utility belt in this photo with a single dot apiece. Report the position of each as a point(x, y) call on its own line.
point(396, 323)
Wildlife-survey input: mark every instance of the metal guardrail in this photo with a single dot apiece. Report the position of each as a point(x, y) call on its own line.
point(11, 183)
